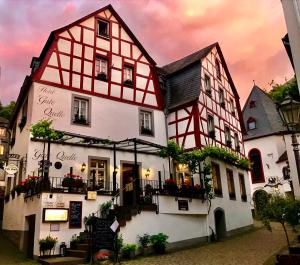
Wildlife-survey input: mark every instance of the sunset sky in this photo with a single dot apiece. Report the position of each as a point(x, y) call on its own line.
point(249, 33)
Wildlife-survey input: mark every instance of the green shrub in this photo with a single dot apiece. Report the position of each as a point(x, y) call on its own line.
point(159, 243)
point(144, 240)
point(128, 251)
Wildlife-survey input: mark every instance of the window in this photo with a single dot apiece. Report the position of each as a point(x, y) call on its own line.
point(81, 111)
point(146, 123)
point(2, 132)
point(236, 142)
point(221, 98)
point(257, 174)
point(103, 28)
point(227, 136)
point(128, 75)
point(242, 187)
point(230, 182)
point(251, 123)
point(1, 149)
point(232, 107)
point(252, 104)
point(101, 68)
point(207, 85)
point(100, 168)
point(218, 69)
point(23, 120)
point(211, 126)
point(216, 178)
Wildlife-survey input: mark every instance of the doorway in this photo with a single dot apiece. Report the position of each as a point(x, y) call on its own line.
point(30, 236)
point(129, 188)
point(220, 224)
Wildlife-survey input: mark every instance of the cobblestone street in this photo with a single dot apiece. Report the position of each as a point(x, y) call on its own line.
point(253, 248)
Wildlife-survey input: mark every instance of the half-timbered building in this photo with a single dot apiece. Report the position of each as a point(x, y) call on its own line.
point(99, 86)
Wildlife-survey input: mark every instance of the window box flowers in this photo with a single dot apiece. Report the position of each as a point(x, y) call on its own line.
point(171, 187)
point(72, 182)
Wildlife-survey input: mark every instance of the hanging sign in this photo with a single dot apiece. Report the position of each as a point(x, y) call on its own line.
point(91, 195)
point(11, 169)
point(183, 205)
point(14, 156)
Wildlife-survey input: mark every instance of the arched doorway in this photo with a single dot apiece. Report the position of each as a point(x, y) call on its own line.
point(260, 199)
point(220, 224)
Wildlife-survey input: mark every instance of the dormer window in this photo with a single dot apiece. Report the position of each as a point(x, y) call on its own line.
point(251, 123)
point(207, 85)
point(252, 104)
point(103, 28)
point(218, 69)
point(128, 75)
point(101, 68)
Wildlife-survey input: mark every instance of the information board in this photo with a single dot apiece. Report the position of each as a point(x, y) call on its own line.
point(75, 214)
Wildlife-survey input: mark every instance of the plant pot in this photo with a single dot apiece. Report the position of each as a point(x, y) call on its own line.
point(159, 248)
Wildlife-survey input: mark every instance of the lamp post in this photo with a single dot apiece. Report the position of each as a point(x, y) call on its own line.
point(289, 111)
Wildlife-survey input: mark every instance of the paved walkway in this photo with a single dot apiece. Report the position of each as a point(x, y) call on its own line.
point(252, 248)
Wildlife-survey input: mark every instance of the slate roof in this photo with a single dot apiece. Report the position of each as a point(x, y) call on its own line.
point(268, 121)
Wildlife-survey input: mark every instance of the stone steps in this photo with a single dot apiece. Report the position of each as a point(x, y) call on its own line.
point(62, 261)
point(77, 253)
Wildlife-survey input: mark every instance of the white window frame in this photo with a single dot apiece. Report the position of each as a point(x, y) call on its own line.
point(210, 123)
point(85, 111)
point(207, 83)
point(128, 73)
point(101, 66)
point(227, 134)
point(146, 121)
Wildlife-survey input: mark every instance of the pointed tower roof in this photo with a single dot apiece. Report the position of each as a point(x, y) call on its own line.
point(262, 109)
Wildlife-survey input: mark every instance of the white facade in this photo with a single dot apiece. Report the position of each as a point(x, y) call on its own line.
point(112, 111)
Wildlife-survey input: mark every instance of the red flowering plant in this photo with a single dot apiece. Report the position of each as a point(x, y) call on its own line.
point(71, 180)
point(170, 186)
point(29, 183)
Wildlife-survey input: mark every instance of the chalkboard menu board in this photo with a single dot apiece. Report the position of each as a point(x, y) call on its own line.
point(103, 236)
point(75, 214)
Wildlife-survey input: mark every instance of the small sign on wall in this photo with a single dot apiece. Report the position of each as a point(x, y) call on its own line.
point(92, 195)
point(54, 227)
point(183, 205)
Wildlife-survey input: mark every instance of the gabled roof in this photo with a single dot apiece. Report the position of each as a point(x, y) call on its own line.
point(115, 14)
point(178, 65)
point(268, 121)
point(184, 92)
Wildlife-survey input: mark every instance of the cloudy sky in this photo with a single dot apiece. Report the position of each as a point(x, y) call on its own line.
point(249, 32)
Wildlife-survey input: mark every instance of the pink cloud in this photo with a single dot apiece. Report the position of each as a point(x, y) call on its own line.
point(249, 35)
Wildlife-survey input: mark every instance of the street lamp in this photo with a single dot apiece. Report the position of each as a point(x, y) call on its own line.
point(289, 111)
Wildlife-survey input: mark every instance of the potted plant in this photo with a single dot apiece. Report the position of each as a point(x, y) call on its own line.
point(128, 251)
point(47, 243)
point(128, 82)
point(102, 76)
point(159, 243)
point(74, 241)
point(104, 209)
point(171, 186)
point(144, 241)
point(19, 189)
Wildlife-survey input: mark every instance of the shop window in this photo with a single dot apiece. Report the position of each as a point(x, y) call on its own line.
point(101, 68)
point(257, 174)
point(81, 111)
point(242, 187)
point(99, 168)
point(103, 28)
point(216, 178)
point(230, 182)
point(128, 75)
point(146, 123)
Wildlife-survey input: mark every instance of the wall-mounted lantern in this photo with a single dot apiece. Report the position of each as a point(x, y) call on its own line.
point(147, 173)
point(83, 167)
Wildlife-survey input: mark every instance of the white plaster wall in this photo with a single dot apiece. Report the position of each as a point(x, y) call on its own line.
point(177, 227)
point(109, 119)
point(74, 157)
point(271, 148)
point(237, 213)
